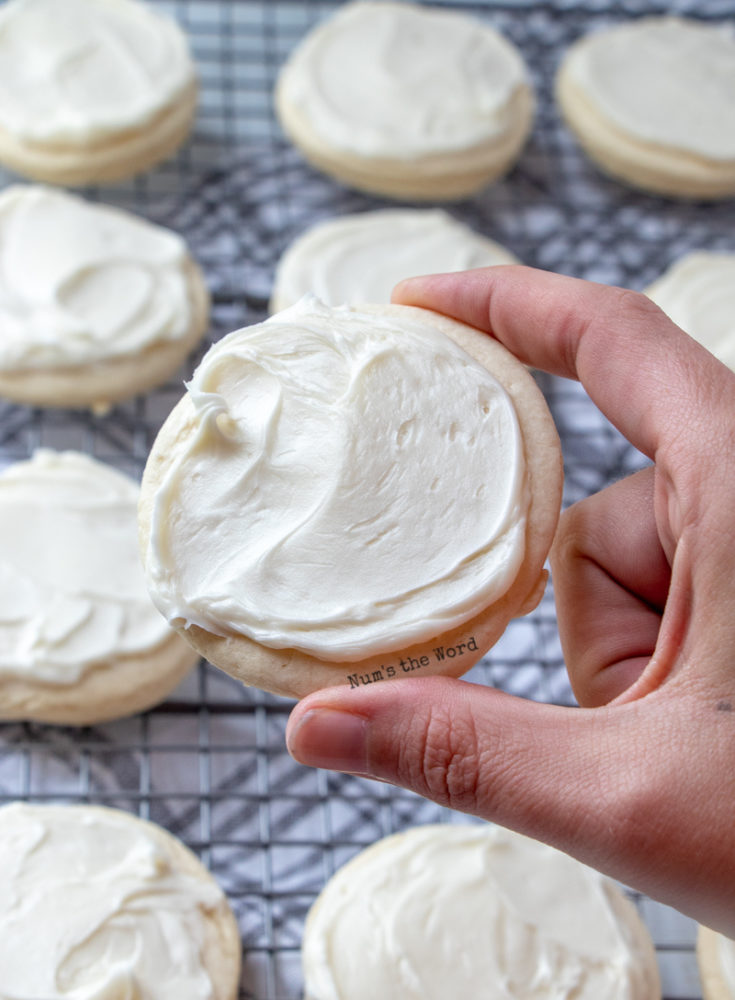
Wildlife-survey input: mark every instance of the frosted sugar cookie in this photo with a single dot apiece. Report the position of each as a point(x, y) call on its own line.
point(97, 902)
point(698, 293)
point(91, 91)
point(350, 495)
point(80, 640)
point(406, 102)
point(716, 959)
point(96, 304)
point(473, 911)
point(651, 102)
point(360, 258)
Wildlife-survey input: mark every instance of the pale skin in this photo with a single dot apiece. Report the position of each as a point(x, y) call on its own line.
point(640, 780)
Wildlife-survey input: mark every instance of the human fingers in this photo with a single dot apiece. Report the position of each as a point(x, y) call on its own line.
point(467, 747)
point(640, 369)
point(665, 392)
point(631, 789)
point(611, 579)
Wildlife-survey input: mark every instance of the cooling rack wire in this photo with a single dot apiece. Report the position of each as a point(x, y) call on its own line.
point(210, 763)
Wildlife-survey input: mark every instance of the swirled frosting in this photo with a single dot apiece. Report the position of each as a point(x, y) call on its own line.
point(398, 80)
point(81, 282)
point(665, 80)
point(354, 482)
point(81, 70)
point(473, 911)
point(72, 591)
point(359, 258)
point(698, 293)
point(93, 907)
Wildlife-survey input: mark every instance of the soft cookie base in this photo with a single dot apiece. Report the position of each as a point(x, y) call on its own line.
point(449, 176)
point(118, 687)
point(115, 158)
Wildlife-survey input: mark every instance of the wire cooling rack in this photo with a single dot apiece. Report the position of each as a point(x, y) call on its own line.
point(210, 763)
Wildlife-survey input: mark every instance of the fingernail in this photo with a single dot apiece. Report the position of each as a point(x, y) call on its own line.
point(324, 737)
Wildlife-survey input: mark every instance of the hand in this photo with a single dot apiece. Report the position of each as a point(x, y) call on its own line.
point(639, 782)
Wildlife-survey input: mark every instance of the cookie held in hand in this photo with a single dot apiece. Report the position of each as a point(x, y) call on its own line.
point(349, 495)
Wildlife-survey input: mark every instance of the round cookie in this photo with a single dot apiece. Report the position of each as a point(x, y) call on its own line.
point(406, 102)
point(473, 911)
point(96, 304)
point(80, 640)
point(716, 960)
point(360, 258)
point(650, 101)
point(698, 293)
point(349, 495)
point(97, 902)
point(91, 91)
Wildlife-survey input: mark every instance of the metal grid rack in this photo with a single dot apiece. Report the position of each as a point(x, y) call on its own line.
point(210, 764)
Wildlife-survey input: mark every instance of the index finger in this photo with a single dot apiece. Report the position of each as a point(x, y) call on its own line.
point(643, 372)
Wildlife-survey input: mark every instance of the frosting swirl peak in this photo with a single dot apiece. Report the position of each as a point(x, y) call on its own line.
point(355, 482)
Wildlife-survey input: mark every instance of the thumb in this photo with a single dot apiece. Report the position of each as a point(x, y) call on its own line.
point(567, 776)
point(527, 765)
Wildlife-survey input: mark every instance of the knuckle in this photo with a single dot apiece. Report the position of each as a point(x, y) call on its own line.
point(572, 539)
point(566, 544)
point(446, 761)
point(635, 306)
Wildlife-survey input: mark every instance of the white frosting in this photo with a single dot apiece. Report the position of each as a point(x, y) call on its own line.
point(698, 293)
point(359, 258)
point(399, 80)
point(473, 911)
point(92, 908)
point(354, 483)
point(81, 282)
point(726, 955)
point(72, 592)
point(665, 80)
point(75, 71)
